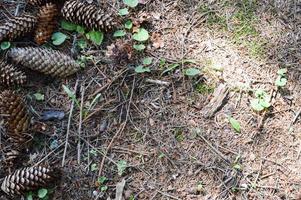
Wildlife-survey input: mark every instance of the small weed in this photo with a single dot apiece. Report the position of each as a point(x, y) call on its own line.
point(261, 102)
point(282, 78)
point(101, 183)
point(178, 132)
point(203, 88)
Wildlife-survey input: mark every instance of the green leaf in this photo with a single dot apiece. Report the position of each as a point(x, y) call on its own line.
point(123, 11)
point(192, 72)
point(147, 61)
point(5, 45)
point(102, 179)
point(29, 196)
point(256, 105)
point(235, 124)
point(68, 25)
point(282, 72)
point(260, 93)
point(131, 3)
point(39, 96)
point(265, 103)
point(141, 36)
point(95, 36)
point(280, 81)
point(80, 29)
point(42, 193)
point(82, 43)
point(139, 47)
point(104, 188)
point(141, 69)
point(237, 167)
point(121, 166)
point(58, 38)
point(71, 95)
point(171, 68)
point(94, 167)
point(128, 24)
point(119, 33)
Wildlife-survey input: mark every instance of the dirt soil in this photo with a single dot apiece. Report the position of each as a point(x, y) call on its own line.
point(149, 132)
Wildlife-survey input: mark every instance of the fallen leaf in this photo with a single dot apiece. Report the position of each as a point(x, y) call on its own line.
point(157, 40)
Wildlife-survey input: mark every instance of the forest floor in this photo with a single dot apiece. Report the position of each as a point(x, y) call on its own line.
point(148, 135)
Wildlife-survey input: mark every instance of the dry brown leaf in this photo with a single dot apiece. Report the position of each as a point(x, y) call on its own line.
point(157, 40)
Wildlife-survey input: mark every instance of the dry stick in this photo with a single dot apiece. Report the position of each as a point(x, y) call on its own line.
point(68, 127)
point(122, 126)
point(168, 195)
point(214, 149)
point(80, 123)
point(110, 83)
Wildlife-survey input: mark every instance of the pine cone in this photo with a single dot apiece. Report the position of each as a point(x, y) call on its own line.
point(9, 157)
point(29, 179)
point(10, 76)
point(89, 15)
point(46, 23)
point(17, 26)
point(45, 60)
point(16, 117)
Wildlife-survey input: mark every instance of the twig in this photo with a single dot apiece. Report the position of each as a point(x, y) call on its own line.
point(296, 117)
point(80, 123)
point(168, 195)
point(121, 128)
point(110, 83)
point(159, 82)
point(214, 149)
point(68, 127)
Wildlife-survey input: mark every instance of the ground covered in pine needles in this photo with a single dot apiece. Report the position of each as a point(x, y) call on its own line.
point(148, 135)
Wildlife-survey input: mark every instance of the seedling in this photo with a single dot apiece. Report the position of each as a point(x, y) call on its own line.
point(281, 78)
point(261, 102)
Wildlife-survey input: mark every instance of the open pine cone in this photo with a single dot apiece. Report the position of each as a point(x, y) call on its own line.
point(47, 61)
point(16, 117)
point(17, 26)
point(29, 179)
point(89, 15)
point(46, 23)
point(10, 76)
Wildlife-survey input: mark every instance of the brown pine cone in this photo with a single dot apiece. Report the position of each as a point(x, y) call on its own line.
point(17, 26)
point(16, 117)
point(46, 23)
point(29, 179)
point(90, 15)
point(10, 76)
point(47, 61)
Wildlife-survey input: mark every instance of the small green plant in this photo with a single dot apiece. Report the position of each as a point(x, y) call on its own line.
point(121, 167)
point(101, 183)
point(235, 124)
point(39, 96)
point(42, 194)
point(5, 45)
point(204, 88)
point(96, 37)
point(58, 38)
point(281, 78)
point(71, 95)
point(179, 135)
point(261, 102)
point(192, 72)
